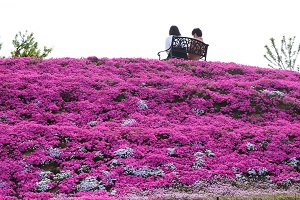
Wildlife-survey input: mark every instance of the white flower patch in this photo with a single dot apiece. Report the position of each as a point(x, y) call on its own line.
point(197, 144)
point(198, 163)
point(73, 155)
point(286, 182)
point(144, 172)
point(198, 183)
point(142, 105)
point(198, 111)
point(209, 153)
point(42, 185)
point(4, 119)
point(127, 122)
point(143, 85)
point(241, 177)
point(62, 175)
point(294, 162)
point(45, 174)
point(107, 178)
point(89, 184)
point(2, 184)
point(37, 103)
point(262, 171)
point(251, 172)
point(99, 155)
point(171, 151)
point(124, 153)
point(115, 162)
point(170, 166)
point(55, 153)
point(235, 169)
point(45, 162)
point(274, 93)
point(84, 168)
point(129, 170)
point(113, 192)
point(250, 147)
point(106, 173)
point(93, 123)
point(264, 144)
point(83, 149)
point(199, 160)
point(26, 167)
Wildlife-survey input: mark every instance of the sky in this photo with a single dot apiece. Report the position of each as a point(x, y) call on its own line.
point(236, 30)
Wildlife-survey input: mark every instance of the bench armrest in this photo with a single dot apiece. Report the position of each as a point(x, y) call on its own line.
point(163, 51)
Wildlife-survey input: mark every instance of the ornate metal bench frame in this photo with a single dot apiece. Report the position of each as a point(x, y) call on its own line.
point(184, 45)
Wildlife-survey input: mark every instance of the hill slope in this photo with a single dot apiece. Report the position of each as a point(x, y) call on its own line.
point(72, 126)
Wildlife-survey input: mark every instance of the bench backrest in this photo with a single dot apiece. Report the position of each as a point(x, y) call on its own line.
point(180, 46)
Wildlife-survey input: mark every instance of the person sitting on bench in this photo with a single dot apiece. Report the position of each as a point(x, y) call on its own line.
point(174, 31)
point(197, 34)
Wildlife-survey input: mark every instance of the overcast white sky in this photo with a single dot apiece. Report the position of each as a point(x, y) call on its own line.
point(236, 30)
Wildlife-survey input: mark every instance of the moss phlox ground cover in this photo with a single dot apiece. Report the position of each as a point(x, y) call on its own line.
point(107, 127)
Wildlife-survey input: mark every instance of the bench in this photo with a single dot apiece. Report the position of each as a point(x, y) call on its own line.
point(181, 46)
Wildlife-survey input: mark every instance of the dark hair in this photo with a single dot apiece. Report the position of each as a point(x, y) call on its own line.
point(174, 31)
point(197, 31)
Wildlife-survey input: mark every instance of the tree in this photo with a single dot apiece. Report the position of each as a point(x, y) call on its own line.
point(25, 46)
point(285, 58)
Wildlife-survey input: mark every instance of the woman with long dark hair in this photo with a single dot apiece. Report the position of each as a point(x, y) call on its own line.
point(174, 31)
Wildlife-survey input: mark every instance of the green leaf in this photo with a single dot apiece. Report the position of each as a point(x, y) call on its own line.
point(26, 46)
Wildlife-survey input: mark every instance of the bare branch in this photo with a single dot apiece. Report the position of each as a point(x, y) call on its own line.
point(283, 58)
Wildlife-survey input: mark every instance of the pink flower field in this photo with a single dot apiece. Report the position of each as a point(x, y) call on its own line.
point(100, 128)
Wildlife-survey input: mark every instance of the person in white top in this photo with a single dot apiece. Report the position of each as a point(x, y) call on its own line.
point(174, 31)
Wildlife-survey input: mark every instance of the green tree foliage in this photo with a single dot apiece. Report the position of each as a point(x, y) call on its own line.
point(285, 57)
point(25, 46)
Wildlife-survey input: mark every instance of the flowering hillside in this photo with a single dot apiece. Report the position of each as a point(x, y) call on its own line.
point(106, 128)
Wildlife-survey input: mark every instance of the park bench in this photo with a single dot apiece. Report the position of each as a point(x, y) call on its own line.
point(180, 46)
